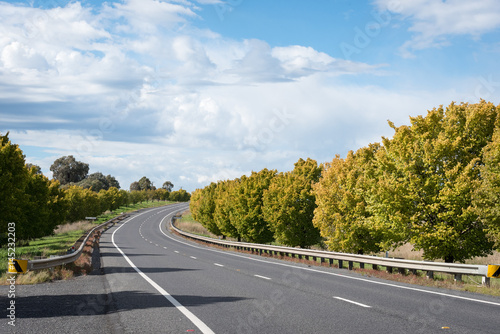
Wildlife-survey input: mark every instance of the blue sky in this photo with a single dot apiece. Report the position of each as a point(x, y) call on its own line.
point(194, 91)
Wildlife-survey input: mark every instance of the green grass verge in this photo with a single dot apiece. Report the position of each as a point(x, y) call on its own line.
point(59, 243)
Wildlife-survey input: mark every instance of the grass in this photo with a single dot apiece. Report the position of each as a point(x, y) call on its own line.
point(64, 237)
point(441, 280)
point(188, 224)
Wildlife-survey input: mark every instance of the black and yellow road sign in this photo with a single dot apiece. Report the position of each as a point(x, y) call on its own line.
point(18, 266)
point(494, 270)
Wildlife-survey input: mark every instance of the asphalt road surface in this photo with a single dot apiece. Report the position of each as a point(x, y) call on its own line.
point(155, 282)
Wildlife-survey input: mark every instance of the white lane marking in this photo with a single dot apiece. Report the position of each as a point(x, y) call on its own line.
point(157, 245)
point(264, 277)
point(165, 247)
point(194, 319)
point(219, 265)
point(352, 302)
point(176, 252)
point(193, 257)
point(332, 274)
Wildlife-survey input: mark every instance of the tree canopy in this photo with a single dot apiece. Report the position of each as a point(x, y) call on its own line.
point(68, 170)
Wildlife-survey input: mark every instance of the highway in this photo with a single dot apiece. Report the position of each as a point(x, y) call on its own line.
point(181, 286)
point(155, 282)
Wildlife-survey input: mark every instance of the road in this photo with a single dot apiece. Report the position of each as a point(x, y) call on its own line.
point(156, 282)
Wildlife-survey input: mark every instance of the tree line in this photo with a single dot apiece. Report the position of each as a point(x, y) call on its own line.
point(435, 184)
point(37, 204)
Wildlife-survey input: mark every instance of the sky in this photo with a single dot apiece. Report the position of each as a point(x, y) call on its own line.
point(195, 91)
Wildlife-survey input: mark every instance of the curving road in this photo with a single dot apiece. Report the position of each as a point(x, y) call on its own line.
point(165, 283)
point(156, 282)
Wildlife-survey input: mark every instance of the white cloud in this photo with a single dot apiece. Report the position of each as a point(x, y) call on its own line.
point(134, 89)
point(434, 22)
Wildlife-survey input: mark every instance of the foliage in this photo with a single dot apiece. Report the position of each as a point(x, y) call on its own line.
point(434, 184)
point(289, 203)
point(97, 182)
point(27, 198)
point(180, 195)
point(168, 186)
point(343, 215)
point(431, 171)
point(68, 170)
point(487, 199)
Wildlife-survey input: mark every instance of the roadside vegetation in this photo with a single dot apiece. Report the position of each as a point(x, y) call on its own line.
point(441, 280)
point(59, 243)
point(435, 185)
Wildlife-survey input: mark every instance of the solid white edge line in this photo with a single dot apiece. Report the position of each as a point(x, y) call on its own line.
point(194, 319)
point(352, 302)
point(264, 277)
point(334, 274)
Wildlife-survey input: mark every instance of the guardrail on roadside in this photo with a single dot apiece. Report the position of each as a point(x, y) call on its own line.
point(390, 264)
point(64, 259)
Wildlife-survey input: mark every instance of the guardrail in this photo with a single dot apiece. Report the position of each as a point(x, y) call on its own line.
point(64, 259)
point(390, 264)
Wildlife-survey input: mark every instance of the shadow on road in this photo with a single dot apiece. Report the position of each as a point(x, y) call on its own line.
point(46, 306)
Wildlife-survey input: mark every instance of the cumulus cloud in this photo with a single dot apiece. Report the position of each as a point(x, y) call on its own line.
point(434, 22)
point(134, 89)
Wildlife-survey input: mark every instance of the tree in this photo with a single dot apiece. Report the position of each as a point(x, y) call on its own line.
point(206, 207)
point(432, 169)
point(112, 182)
point(247, 210)
point(223, 212)
point(289, 203)
point(66, 170)
point(180, 195)
point(95, 182)
point(146, 184)
point(134, 186)
point(487, 199)
point(82, 203)
point(44, 209)
point(343, 214)
point(14, 178)
point(168, 186)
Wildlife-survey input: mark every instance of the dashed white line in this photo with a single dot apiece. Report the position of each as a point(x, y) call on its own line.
point(193, 257)
point(194, 319)
point(264, 277)
point(165, 247)
point(176, 252)
point(352, 302)
point(219, 265)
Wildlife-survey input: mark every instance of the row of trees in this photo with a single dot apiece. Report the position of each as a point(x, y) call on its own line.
point(434, 184)
point(263, 207)
point(37, 205)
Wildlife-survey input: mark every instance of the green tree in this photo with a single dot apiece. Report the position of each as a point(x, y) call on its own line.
point(431, 172)
point(206, 208)
point(95, 182)
point(82, 203)
point(223, 211)
point(343, 214)
point(289, 203)
point(180, 195)
point(112, 182)
point(44, 209)
point(68, 170)
point(247, 210)
point(134, 186)
point(487, 200)
point(14, 178)
point(146, 184)
point(168, 186)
